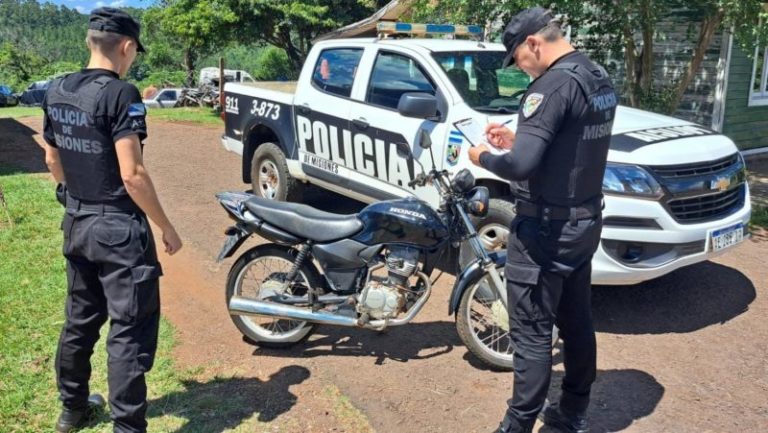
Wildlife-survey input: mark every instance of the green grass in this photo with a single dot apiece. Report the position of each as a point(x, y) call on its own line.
point(759, 217)
point(18, 111)
point(32, 294)
point(205, 116)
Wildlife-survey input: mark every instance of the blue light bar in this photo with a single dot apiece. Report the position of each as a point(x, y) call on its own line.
point(428, 29)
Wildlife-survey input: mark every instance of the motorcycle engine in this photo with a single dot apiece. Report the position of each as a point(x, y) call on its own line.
point(385, 297)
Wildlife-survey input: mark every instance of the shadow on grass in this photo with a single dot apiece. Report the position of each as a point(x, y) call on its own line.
point(222, 404)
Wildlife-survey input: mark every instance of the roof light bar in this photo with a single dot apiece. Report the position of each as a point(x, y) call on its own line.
point(389, 28)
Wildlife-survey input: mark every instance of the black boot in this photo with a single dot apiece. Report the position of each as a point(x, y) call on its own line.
point(511, 425)
point(71, 419)
point(553, 416)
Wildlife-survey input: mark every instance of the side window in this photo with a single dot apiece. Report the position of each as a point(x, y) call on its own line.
point(758, 91)
point(335, 70)
point(393, 75)
point(168, 95)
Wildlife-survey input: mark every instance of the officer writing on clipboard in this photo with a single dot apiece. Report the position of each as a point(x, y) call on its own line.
point(94, 126)
point(555, 165)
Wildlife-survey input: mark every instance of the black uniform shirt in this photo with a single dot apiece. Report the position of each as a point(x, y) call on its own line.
point(120, 109)
point(550, 116)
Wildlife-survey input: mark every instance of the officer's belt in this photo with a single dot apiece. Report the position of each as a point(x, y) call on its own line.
point(555, 213)
point(125, 205)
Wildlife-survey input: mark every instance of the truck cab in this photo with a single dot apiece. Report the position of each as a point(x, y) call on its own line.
point(675, 192)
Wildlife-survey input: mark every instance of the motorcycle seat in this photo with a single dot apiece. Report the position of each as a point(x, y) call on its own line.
point(304, 221)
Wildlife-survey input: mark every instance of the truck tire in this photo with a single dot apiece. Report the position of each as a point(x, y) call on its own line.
point(269, 175)
point(493, 229)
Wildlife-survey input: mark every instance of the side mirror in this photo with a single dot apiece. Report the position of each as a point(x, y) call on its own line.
point(418, 105)
point(425, 140)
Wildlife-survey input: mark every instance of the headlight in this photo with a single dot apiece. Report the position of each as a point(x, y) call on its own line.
point(630, 180)
point(477, 201)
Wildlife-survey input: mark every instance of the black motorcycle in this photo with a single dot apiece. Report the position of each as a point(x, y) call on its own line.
point(368, 270)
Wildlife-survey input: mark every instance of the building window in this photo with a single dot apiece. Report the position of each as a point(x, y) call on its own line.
point(758, 90)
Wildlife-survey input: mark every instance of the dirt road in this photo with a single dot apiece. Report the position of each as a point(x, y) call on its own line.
point(684, 353)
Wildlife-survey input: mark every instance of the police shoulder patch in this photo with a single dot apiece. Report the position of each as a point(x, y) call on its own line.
point(531, 103)
point(137, 109)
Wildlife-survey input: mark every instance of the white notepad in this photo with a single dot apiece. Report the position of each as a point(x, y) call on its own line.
point(474, 132)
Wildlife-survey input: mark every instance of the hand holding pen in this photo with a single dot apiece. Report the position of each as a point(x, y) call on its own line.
point(499, 136)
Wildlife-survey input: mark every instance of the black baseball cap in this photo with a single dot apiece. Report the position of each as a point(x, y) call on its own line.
point(114, 20)
point(522, 25)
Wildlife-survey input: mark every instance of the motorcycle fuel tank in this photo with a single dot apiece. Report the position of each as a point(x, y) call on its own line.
point(408, 220)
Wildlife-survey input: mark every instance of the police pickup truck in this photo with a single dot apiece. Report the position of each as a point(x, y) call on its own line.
point(675, 192)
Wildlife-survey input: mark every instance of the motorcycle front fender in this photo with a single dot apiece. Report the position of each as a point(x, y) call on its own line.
point(470, 275)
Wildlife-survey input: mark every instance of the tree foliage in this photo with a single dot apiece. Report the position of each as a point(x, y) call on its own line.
point(628, 29)
point(292, 25)
point(196, 27)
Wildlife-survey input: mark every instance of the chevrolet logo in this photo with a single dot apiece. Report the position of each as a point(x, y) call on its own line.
point(720, 184)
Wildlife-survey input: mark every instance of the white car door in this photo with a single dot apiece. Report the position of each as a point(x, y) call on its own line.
point(374, 113)
point(322, 116)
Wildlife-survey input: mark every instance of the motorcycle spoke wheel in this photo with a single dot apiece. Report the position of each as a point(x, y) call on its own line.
point(266, 276)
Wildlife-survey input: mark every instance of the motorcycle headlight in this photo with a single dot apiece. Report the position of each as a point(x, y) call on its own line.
point(477, 201)
point(630, 180)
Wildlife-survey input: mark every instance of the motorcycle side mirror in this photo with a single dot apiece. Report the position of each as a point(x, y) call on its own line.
point(404, 150)
point(425, 140)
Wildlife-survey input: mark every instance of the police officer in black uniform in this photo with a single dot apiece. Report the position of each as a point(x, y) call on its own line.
point(94, 127)
point(555, 164)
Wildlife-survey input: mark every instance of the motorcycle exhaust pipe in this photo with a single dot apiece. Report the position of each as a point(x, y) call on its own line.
point(250, 307)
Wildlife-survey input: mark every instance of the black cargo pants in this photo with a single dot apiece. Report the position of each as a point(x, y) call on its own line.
point(112, 272)
point(548, 274)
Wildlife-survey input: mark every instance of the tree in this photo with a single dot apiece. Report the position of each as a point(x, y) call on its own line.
point(292, 25)
point(628, 29)
point(198, 27)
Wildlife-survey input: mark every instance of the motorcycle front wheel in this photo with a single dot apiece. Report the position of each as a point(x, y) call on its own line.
point(482, 323)
point(261, 271)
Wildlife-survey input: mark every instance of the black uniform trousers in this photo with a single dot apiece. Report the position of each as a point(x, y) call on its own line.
point(548, 274)
point(112, 272)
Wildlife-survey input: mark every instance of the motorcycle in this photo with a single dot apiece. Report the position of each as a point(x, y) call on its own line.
point(367, 270)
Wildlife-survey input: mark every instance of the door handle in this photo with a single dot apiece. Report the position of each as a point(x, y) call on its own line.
point(361, 123)
point(304, 109)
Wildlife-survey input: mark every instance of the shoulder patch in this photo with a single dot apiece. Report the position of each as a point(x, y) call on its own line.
point(532, 102)
point(137, 109)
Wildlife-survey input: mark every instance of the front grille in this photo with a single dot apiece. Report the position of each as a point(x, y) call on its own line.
point(696, 169)
point(713, 206)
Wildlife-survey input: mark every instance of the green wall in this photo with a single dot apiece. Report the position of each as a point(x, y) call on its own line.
point(747, 126)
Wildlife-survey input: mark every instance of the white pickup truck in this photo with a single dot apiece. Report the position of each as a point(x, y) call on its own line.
point(675, 192)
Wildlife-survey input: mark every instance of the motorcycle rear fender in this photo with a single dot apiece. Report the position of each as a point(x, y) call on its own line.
point(470, 275)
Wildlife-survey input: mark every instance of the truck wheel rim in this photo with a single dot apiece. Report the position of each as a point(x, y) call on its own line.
point(494, 236)
point(269, 182)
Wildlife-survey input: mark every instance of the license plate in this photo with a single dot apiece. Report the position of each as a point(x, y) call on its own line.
point(727, 237)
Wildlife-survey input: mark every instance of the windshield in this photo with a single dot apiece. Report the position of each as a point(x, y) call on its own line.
point(482, 82)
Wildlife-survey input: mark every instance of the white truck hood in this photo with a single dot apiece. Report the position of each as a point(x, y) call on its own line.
point(644, 138)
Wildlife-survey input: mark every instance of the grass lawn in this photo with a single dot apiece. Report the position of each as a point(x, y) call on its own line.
point(32, 292)
point(759, 217)
point(205, 116)
point(19, 111)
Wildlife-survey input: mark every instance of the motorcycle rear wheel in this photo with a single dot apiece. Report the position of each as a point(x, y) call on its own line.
point(264, 267)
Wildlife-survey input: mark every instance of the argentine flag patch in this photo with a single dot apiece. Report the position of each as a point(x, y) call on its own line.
point(137, 109)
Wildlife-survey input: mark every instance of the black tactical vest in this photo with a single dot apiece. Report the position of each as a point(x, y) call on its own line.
point(581, 158)
point(85, 146)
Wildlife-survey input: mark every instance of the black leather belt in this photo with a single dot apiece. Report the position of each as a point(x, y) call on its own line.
point(549, 212)
point(118, 206)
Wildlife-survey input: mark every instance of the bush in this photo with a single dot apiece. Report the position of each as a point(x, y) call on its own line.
point(273, 64)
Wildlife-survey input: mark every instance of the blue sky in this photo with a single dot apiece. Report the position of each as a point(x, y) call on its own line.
point(85, 6)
